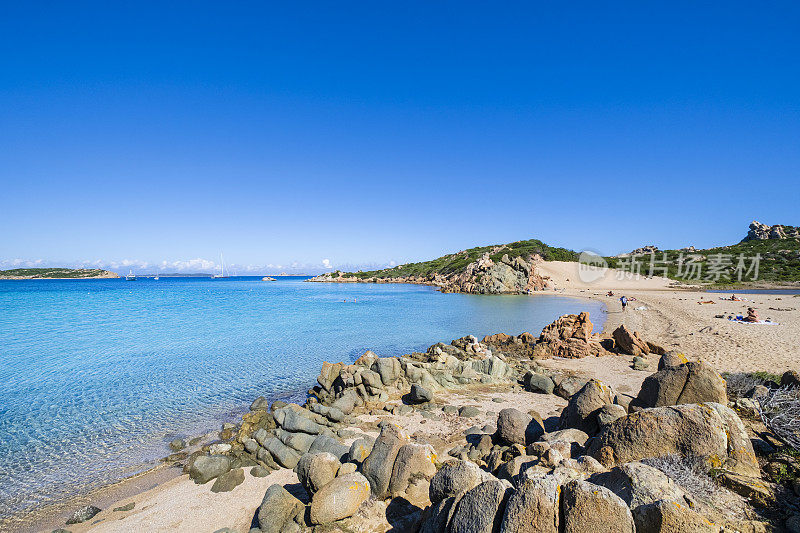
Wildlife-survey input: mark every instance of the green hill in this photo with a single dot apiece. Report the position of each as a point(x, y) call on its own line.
point(778, 262)
point(457, 262)
point(56, 273)
point(768, 254)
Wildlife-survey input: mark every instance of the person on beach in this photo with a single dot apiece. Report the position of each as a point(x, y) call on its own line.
point(624, 301)
point(752, 316)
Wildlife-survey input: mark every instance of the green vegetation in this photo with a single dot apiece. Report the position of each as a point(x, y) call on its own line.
point(772, 261)
point(53, 273)
point(457, 262)
point(724, 266)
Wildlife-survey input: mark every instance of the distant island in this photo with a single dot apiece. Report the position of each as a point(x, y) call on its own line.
point(514, 268)
point(57, 273)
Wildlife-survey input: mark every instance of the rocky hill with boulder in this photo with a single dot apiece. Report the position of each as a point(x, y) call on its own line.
point(777, 249)
point(500, 269)
point(763, 232)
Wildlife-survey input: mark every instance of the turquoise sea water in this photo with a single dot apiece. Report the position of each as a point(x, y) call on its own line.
point(98, 375)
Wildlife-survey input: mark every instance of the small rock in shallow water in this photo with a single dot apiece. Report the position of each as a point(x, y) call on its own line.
point(126, 507)
point(259, 403)
point(228, 481)
point(173, 457)
point(177, 445)
point(498, 400)
point(83, 514)
point(450, 409)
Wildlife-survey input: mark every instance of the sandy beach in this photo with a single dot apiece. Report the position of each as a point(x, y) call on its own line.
point(677, 319)
point(674, 318)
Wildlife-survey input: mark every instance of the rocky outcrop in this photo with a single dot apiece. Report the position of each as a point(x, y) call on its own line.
point(570, 336)
point(710, 430)
point(644, 250)
point(277, 509)
point(478, 510)
point(584, 407)
point(763, 232)
point(520, 346)
point(629, 342)
point(378, 466)
point(488, 274)
point(315, 470)
point(586, 505)
point(339, 499)
point(691, 382)
point(512, 476)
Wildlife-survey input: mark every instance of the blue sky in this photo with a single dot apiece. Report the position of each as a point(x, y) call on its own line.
point(370, 133)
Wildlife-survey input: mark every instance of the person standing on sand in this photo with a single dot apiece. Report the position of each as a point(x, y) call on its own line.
point(624, 301)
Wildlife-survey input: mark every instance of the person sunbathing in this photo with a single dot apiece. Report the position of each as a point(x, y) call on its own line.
point(752, 316)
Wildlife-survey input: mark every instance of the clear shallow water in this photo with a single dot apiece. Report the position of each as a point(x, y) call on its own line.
point(98, 375)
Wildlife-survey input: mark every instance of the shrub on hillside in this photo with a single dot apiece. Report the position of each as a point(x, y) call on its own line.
point(780, 412)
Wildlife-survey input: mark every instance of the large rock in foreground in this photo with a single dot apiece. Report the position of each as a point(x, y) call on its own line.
point(588, 507)
point(339, 499)
point(277, 508)
point(583, 408)
point(533, 507)
point(315, 470)
point(480, 510)
point(708, 430)
point(694, 382)
point(378, 466)
point(455, 478)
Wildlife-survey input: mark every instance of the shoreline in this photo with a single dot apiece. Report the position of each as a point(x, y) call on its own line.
point(53, 514)
point(672, 319)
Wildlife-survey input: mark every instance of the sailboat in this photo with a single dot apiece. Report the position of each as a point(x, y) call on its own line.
point(222, 264)
point(156, 277)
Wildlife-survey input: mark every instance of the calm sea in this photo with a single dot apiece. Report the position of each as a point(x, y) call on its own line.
point(98, 375)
